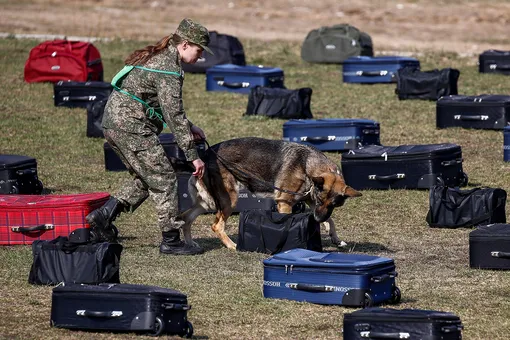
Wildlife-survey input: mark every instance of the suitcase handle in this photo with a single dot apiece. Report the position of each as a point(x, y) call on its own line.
point(453, 328)
point(32, 229)
point(372, 73)
point(382, 335)
point(384, 277)
point(26, 172)
point(386, 178)
point(99, 314)
point(233, 85)
point(79, 98)
point(176, 306)
point(311, 287)
point(500, 254)
point(317, 139)
point(452, 162)
point(465, 117)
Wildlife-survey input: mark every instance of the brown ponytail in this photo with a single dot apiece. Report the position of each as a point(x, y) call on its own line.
point(140, 57)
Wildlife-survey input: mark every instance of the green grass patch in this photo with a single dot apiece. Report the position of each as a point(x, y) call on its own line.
point(224, 287)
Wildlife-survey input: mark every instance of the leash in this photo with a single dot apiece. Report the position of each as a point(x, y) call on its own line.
point(225, 164)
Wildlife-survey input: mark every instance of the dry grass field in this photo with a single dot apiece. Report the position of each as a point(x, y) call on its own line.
point(224, 287)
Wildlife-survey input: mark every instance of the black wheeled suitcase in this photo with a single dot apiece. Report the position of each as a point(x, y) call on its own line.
point(404, 166)
point(386, 323)
point(475, 112)
point(121, 307)
point(80, 94)
point(112, 162)
point(489, 247)
point(494, 61)
point(246, 200)
point(18, 175)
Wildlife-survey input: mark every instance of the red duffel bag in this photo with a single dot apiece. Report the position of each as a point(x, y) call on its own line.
point(55, 60)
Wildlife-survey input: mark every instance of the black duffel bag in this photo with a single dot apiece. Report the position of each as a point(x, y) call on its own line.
point(279, 103)
point(269, 232)
point(454, 208)
point(429, 85)
point(227, 49)
point(61, 260)
point(95, 111)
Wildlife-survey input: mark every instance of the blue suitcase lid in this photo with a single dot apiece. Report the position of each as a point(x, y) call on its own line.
point(378, 151)
point(248, 69)
point(329, 122)
point(507, 129)
point(308, 258)
point(379, 60)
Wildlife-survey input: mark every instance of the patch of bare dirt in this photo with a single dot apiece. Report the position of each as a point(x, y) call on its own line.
point(462, 26)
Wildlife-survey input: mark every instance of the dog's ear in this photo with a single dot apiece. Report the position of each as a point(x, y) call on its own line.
point(350, 192)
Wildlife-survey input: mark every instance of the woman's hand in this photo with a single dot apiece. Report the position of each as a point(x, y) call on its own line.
point(197, 132)
point(199, 168)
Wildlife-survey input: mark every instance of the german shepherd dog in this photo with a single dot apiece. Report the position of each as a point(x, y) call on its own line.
point(286, 171)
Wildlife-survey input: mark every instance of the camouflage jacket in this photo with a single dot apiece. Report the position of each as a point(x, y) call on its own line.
point(159, 90)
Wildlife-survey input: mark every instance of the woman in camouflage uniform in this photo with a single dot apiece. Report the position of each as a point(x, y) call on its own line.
point(150, 96)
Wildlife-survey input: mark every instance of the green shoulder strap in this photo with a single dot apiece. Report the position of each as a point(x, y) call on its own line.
point(119, 78)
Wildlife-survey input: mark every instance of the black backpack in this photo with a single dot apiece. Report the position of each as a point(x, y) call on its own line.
point(280, 103)
point(95, 112)
point(429, 85)
point(227, 49)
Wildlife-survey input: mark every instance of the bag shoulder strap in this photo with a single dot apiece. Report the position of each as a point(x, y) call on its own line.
point(119, 78)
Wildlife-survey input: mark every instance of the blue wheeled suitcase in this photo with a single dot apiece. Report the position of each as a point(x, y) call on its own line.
point(330, 278)
point(371, 70)
point(506, 144)
point(240, 79)
point(333, 134)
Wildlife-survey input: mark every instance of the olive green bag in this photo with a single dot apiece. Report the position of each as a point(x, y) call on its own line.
point(334, 44)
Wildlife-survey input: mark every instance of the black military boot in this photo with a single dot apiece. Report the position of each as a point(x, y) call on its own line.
point(101, 219)
point(173, 245)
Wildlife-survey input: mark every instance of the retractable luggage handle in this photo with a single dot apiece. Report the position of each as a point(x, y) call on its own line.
point(500, 254)
point(381, 73)
point(387, 177)
point(99, 314)
point(32, 229)
point(383, 335)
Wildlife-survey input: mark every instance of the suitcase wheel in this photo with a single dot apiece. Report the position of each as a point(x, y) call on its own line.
point(368, 301)
point(463, 180)
point(396, 296)
point(159, 326)
point(189, 330)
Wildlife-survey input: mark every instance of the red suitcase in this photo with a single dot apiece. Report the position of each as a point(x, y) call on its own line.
point(26, 218)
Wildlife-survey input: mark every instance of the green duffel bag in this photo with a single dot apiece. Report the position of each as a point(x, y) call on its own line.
point(334, 44)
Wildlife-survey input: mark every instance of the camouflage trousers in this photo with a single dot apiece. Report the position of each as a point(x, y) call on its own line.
point(152, 174)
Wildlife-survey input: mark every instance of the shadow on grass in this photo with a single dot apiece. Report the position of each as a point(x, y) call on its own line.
point(365, 247)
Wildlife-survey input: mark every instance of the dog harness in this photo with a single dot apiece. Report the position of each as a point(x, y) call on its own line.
point(122, 74)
